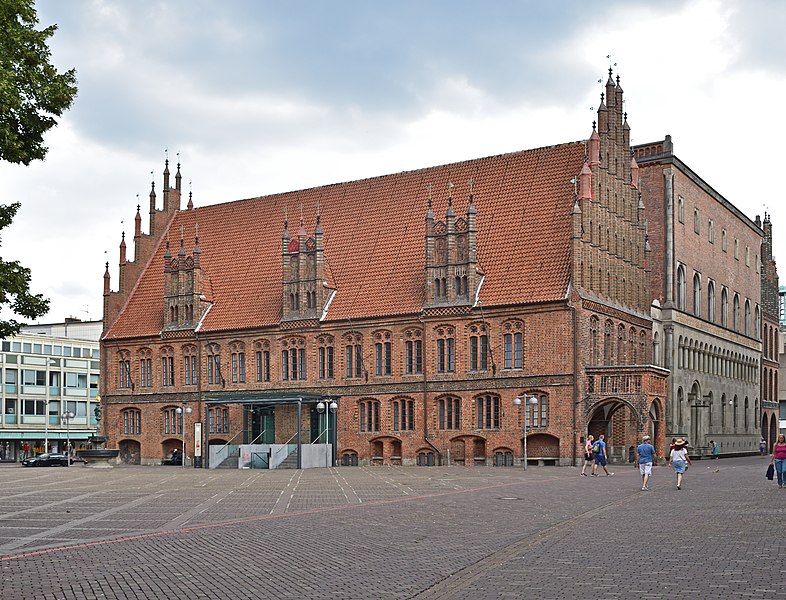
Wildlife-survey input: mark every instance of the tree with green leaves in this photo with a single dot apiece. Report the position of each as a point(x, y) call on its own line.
point(15, 285)
point(32, 95)
point(32, 92)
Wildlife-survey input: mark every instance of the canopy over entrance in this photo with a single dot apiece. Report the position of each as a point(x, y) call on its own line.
point(262, 406)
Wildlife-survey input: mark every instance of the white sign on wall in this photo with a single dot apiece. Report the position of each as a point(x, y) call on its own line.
point(198, 438)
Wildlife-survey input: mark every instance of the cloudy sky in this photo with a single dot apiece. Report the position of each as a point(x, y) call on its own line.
point(261, 97)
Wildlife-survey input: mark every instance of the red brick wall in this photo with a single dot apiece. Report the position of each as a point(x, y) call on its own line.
point(548, 367)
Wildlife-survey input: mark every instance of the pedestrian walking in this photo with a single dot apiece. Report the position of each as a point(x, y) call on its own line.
point(763, 448)
point(779, 459)
point(646, 453)
point(599, 456)
point(587, 454)
point(679, 460)
point(715, 449)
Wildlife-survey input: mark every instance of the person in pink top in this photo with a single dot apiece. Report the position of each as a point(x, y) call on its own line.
point(779, 459)
point(587, 454)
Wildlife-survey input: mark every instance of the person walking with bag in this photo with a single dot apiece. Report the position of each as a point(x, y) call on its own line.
point(679, 460)
point(600, 457)
point(779, 459)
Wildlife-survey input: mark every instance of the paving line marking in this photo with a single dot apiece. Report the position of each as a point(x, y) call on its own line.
point(185, 517)
point(396, 485)
point(48, 505)
point(228, 523)
point(281, 494)
point(73, 524)
point(463, 578)
point(292, 492)
point(339, 477)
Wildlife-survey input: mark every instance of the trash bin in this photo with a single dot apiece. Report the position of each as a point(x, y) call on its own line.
point(197, 462)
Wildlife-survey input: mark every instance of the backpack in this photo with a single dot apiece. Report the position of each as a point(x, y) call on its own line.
point(596, 447)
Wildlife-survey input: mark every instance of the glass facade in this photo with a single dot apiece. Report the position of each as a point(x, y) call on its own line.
point(44, 373)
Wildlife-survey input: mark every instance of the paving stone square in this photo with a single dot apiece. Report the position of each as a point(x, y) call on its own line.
point(390, 532)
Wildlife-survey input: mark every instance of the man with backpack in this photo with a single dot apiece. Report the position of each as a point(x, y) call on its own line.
point(601, 458)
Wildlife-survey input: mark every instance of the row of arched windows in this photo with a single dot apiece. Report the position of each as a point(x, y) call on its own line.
point(171, 421)
point(770, 342)
point(453, 413)
point(769, 384)
point(748, 322)
point(619, 345)
point(295, 354)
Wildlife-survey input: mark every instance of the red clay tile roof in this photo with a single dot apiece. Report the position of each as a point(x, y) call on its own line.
point(374, 241)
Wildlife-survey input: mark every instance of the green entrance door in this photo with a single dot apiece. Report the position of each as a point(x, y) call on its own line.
point(263, 425)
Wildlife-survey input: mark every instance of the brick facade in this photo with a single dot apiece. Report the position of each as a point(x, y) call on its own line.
point(516, 288)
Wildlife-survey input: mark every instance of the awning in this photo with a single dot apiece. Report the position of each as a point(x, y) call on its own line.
point(39, 435)
point(262, 398)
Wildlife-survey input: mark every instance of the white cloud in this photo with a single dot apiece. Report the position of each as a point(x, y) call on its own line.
point(259, 102)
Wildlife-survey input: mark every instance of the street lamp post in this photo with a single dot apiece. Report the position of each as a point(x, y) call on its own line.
point(182, 412)
point(67, 416)
point(327, 409)
point(46, 425)
point(527, 401)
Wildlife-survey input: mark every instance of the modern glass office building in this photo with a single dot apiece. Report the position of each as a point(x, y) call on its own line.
point(50, 382)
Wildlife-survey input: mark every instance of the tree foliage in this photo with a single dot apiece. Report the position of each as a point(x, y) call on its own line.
point(15, 285)
point(32, 95)
point(32, 92)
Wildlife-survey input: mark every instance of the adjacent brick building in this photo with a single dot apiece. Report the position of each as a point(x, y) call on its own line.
point(706, 285)
point(770, 336)
point(421, 304)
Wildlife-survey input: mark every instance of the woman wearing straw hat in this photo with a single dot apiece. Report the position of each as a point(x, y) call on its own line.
point(679, 460)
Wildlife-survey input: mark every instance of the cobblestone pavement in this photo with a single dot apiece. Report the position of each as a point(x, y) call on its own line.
point(390, 532)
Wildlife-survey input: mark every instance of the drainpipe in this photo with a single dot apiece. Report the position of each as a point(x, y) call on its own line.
point(425, 395)
point(205, 430)
point(575, 381)
point(299, 440)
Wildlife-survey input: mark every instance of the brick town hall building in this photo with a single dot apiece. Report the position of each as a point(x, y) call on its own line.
point(421, 306)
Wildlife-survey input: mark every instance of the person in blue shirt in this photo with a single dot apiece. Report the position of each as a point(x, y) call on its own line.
point(600, 456)
point(646, 454)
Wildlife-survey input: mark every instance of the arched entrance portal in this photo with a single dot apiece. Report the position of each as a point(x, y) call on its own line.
point(619, 423)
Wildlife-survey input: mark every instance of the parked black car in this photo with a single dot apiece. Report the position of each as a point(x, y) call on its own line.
point(46, 460)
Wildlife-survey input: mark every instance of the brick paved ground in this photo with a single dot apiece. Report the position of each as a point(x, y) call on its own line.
point(379, 532)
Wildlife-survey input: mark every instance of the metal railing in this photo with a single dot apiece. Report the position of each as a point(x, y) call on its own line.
point(286, 445)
